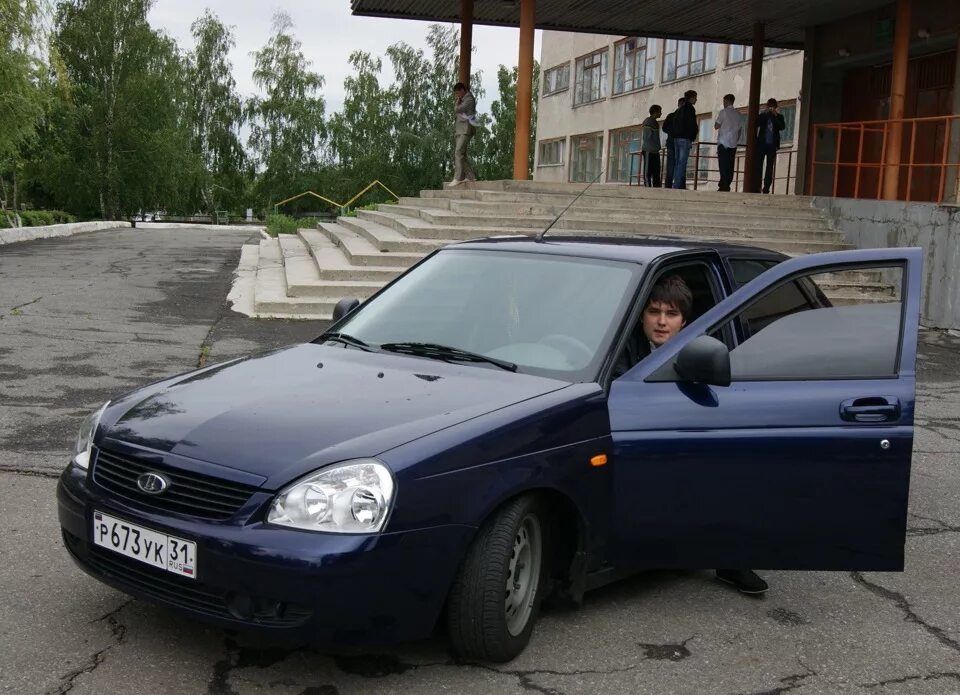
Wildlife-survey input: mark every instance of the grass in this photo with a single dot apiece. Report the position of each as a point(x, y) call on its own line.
point(281, 224)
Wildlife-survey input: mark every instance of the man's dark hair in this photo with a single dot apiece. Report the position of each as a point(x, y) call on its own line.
point(672, 290)
point(729, 97)
point(690, 93)
point(655, 107)
point(772, 102)
point(681, 101)
point(459, 86)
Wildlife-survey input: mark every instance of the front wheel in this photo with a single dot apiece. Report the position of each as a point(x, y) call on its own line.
point(496, 596)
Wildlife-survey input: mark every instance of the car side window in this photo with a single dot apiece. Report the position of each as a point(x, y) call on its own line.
point(852, 332)
point(699, 279)
point(747, 269)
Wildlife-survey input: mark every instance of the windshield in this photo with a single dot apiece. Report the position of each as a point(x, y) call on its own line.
point(549, 315)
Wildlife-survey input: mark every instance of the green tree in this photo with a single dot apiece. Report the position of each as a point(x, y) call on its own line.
point(287, 129)
point(214, 113)
point(496, 159)
point(21, 97)
point(122, 143)
point(362, 133)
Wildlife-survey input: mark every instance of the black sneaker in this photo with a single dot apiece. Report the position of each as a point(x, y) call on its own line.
point(746, 581)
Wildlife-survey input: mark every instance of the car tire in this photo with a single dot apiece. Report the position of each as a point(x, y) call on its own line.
point(487, 618)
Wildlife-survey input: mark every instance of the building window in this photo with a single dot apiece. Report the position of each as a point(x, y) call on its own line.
point(591, 74)
point(586, 156)
point(788, 110)
point(742, 54)
point(634, 64)
point(702, 163)
point(556, 79)
point(624, 167)
point(687, 58)
point(551, 153)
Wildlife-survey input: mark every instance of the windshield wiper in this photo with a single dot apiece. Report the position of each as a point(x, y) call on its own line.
point(445, 352)
point(347, 339)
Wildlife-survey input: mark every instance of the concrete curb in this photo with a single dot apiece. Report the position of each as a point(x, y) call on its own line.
point(12, 236)
point(187, 225)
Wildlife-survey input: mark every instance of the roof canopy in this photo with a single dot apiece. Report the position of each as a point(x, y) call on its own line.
point(721, 21)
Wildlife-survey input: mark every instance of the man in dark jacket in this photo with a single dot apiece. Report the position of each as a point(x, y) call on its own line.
point(685, 132)
point(671, 151)
point(769, 124)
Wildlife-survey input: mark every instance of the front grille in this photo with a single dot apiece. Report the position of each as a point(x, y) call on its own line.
point(164, 586)
point(193, 494)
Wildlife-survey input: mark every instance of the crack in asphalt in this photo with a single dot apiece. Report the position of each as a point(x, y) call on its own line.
point(119, 632)
point(907, 679)
point(910, 615)
point(31, 472)
point(20, 306)
point(526, 676)
point(791, 682)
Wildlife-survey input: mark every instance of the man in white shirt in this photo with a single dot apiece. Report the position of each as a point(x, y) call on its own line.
point(729, 123)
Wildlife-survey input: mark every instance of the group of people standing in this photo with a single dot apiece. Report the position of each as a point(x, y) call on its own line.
point(682, 129)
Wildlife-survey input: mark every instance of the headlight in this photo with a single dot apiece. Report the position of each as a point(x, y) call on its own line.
point(81, 451)
point(349, 497)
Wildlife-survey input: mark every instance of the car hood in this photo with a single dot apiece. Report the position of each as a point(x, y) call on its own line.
point(286, 413)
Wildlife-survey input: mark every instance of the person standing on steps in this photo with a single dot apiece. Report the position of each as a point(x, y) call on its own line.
point(650, 146)
point(684, 135)
point(769, 124)
point(465, 113)
point(729, 125)
point(671, 148)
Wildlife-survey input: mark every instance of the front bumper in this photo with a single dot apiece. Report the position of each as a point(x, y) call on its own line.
point(323, 588)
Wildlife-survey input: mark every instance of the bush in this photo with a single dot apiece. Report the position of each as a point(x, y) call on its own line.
point(281, 224)
point(41, 218)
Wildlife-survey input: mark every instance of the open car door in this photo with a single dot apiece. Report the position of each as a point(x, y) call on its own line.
point(803, 460)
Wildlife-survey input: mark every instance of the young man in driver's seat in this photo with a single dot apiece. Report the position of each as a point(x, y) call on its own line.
point(666, 312)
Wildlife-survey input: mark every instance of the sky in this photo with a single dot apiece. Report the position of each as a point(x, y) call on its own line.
point(329, 33)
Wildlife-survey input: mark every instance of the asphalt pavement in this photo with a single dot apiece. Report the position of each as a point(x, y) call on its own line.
point(87, 317)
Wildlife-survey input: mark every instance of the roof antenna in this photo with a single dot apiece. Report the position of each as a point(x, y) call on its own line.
point(539, 238)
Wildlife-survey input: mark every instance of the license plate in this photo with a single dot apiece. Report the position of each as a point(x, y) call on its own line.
point(149, 547)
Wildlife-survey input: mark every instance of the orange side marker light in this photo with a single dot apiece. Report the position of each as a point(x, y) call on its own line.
point(598, 460)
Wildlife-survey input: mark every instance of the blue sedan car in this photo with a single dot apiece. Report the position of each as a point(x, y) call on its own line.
point(493, 428)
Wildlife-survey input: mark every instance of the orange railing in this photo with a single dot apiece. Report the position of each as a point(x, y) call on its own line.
point(703, 168)
point(856, 154)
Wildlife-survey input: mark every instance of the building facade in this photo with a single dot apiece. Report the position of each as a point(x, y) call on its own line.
point(596, 90)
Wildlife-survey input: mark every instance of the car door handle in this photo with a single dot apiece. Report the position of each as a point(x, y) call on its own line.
point(871, 409)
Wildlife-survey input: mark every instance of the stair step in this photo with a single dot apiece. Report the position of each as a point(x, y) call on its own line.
point(730, 215)
point(303, 277)
point(361, 252)
point(384, 236)
point(518, 190)
point(271, 300)
point(332, 264)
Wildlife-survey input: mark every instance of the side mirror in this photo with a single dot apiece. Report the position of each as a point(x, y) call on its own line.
point(704, 360)
point(344, 307)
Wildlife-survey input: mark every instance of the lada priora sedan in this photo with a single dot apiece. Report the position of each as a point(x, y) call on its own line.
point(494, 428)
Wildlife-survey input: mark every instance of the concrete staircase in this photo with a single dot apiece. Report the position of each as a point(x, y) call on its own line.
point(303, 275)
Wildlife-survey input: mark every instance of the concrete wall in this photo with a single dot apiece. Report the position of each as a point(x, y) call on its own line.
point(557, 117)
point(10, 236)
point(869, 224)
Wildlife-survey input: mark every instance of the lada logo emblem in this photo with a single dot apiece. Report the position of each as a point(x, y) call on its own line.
point(153, 483)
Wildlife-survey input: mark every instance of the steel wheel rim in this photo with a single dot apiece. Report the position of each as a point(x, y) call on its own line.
point(523, 574)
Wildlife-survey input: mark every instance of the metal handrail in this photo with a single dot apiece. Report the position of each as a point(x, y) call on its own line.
point(738, 166)
point(342, 206)
point(886, 129)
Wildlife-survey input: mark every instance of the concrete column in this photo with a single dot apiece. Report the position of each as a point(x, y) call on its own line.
point(898, 97)
point(805, 121)
point(521, 143)
point(466, 40)
point(753, 105)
